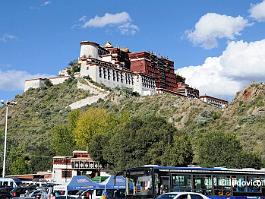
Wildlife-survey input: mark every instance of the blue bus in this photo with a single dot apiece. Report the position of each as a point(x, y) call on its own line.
point(219, 183)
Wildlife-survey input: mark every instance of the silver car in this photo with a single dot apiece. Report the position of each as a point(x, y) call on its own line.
point(182, 195)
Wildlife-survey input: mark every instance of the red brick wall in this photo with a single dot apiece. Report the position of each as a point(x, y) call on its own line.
point(148, 64)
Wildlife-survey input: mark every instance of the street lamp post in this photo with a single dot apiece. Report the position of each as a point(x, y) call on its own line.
point(7, 104)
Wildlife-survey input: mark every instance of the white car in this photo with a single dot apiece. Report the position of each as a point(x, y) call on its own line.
point(182, 195)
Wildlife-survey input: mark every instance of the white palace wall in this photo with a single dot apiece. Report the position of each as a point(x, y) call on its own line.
point(113, 77)
point(34, 83)
point(40, 82)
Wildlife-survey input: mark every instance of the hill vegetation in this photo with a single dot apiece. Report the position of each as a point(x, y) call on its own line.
point(127, 130)
point(30, 123)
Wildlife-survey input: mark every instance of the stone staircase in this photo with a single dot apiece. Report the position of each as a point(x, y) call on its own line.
point(97, 92)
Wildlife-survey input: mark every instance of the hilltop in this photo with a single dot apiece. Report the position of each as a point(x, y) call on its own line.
point(38, 110)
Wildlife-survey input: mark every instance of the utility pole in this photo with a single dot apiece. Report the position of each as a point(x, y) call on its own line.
point(6, 104)
point(5, 143)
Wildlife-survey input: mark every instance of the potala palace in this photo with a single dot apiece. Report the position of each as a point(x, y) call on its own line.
point(142, 72)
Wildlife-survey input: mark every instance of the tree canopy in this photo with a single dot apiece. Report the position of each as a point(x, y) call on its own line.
point(141, 141)
point(93, 122)
point(223, 149)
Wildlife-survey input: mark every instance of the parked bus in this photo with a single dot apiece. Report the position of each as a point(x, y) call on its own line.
point(151, 180)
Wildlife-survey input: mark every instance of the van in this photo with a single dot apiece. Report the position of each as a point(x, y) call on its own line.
point(9, 182)
point(98, 193)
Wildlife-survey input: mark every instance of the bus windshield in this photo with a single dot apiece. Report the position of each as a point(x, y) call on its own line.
point(140, 183)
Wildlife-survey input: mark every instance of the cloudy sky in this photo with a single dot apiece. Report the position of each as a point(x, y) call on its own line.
point(219, 46)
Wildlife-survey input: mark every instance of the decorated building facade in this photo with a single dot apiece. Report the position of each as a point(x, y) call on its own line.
point(80, 163)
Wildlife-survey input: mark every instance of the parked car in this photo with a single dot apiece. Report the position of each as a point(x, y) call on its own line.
point(38, 194)
point(21, 191)
point(5, 193)
point(182, 195)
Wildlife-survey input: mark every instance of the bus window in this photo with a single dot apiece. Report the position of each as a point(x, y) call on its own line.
point(144, 185)
point(5, 183)
point(164, 184)
point(237, 183)
point(203, 184)
point(254, 185)
point(181, 183)
point(222, 185)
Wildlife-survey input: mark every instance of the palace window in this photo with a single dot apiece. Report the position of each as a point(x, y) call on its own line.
point(117, 73)
point(113, 75)
point(100, 72)
point(121, 77)
point(108, 74)
point(104, 73)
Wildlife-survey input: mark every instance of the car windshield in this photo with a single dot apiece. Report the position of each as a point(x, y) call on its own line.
point(167, 196)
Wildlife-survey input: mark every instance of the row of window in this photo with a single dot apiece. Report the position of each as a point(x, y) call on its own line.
point(207, 184)
point(214, 101)
point(148, 83)
point(116, 75)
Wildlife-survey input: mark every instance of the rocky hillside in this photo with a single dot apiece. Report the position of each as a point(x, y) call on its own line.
point(39, 110)
point(246, 117)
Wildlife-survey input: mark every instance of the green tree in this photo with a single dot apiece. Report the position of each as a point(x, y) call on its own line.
point(93, 122)
point(98, 142)
point(40, 157)
point(18, 161)
point(222, 149)
point(73, 117)
point(179, 153)
point(62, 140)
point(96, 146)
point(140, 141)
point(248, 160)
point(18, 166)
point(74, 67)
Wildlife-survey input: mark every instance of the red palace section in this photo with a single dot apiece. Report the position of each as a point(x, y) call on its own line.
point(160, 68)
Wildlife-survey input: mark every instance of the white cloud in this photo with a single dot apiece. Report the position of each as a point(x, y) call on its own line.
point(108, 19)
point(82, 19)
point(128, 28)
point(257, 11)
point(121, 20)
point(212, 27)
point(7, 37)
point(45, 3)
point(14, 79)
point(240, 63)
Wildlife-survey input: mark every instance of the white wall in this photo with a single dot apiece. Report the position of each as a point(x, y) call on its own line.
point(34, 83)
point(39, 83)
point(138, 83)
point(58, 80)
point(87, 50)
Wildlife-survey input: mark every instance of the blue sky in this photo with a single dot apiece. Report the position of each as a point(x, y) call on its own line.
point(39, 37)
